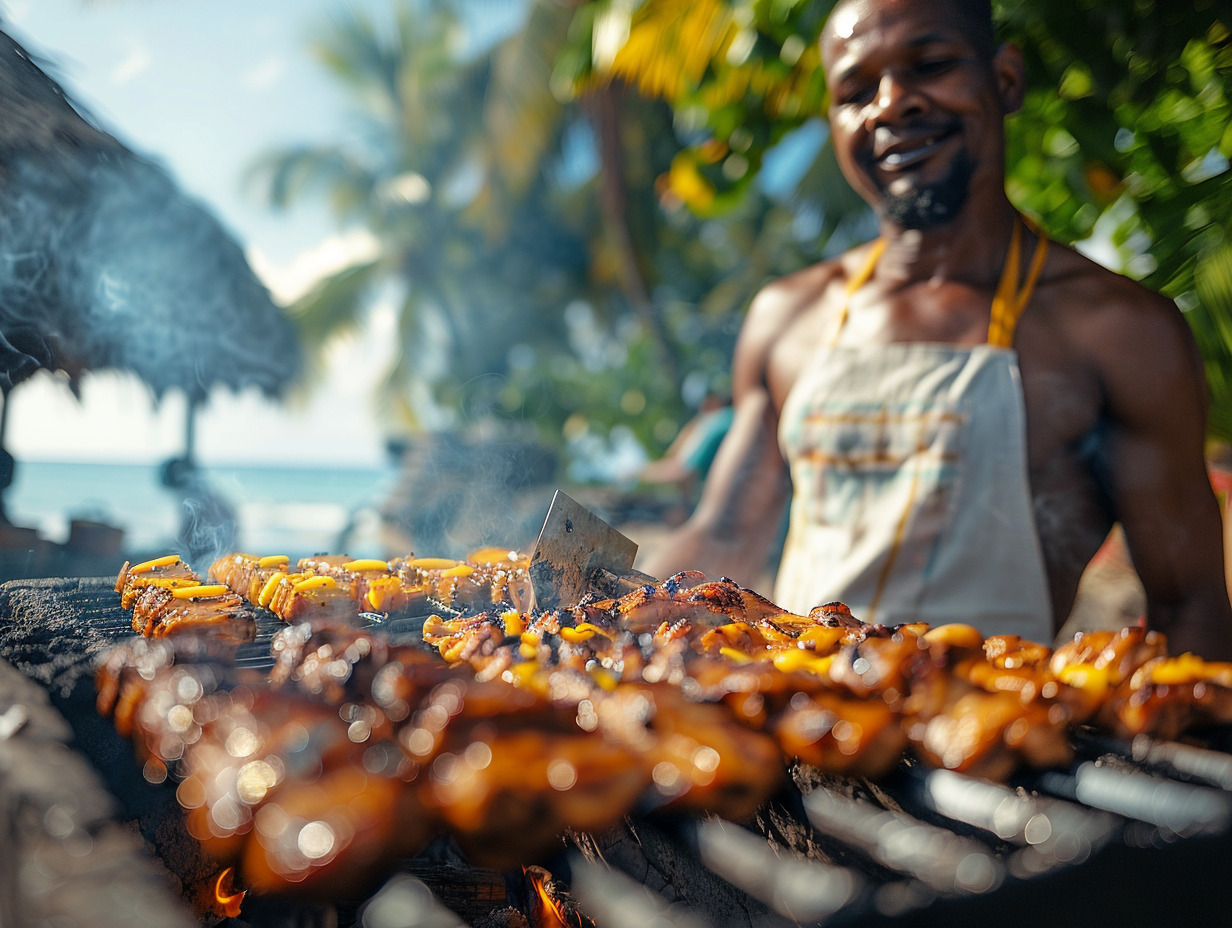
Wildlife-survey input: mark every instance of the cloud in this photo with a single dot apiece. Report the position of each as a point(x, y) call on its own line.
point(265, 74)
point(15, 11)
point(288, 282)
point(137, 61)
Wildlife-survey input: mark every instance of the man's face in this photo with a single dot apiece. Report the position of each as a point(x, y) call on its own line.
point(916, 110)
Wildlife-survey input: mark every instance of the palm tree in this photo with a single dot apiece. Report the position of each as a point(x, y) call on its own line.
point(499, 237)
point(465, 253)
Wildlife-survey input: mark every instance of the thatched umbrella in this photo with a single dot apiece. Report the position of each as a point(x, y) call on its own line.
point(106, 264)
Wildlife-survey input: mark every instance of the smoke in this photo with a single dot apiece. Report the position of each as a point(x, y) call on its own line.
point(208, 525)
point(106, 263)
point(116, 268)
point(455, 494)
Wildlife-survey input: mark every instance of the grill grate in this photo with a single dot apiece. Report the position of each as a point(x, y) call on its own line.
point(1135, 833)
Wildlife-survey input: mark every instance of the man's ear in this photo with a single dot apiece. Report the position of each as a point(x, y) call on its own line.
point(1008, 69)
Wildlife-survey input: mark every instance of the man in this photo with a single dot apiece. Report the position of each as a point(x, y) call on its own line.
point(959, 411)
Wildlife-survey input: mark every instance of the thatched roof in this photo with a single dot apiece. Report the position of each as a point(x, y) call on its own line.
point(106, 263)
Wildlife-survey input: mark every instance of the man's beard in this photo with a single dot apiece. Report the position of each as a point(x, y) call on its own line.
point(931, 205)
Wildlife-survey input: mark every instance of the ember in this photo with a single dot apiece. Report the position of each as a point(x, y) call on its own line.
point(230, 902)
point(550, 908)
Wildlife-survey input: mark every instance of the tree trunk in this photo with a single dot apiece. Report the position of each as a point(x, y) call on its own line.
point(604, 109)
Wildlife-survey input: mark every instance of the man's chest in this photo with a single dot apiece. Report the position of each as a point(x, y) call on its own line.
point(1061, 395)
point(1062, 398)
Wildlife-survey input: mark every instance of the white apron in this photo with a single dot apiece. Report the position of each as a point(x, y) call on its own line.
point(911, 500)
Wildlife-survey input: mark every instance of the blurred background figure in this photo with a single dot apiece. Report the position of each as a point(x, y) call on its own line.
point(688, 458)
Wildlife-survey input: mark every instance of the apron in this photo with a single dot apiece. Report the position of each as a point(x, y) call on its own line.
point(909, 472)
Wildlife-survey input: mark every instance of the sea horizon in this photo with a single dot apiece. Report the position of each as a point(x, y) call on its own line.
point(297, 508)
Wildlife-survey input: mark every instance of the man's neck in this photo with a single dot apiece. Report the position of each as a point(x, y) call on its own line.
point(971, 248)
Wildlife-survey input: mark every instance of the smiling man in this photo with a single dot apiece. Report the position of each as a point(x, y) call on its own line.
point(959, 411)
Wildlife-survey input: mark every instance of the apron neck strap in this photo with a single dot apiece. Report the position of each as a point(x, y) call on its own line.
point(1008, 302)
point(858, 280)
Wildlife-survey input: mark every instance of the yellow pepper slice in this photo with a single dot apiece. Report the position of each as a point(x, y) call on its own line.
point(165, 561)
point(266, 596)
point(199, 591)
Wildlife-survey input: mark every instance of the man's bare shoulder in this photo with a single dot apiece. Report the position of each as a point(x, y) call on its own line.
point(783, 299)
point(800, 297)
point(1103, 312)
point(1123, 330)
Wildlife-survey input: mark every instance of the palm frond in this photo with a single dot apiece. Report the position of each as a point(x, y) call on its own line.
point(337, 304)
point(286, 175)
point(521, 112)
point(1211, 323)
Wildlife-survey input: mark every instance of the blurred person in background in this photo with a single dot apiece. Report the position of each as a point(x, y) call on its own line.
point(687, 460)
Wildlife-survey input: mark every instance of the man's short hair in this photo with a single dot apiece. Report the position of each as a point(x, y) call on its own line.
point(976, 17)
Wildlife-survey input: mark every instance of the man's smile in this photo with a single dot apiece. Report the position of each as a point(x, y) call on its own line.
point(894, 150)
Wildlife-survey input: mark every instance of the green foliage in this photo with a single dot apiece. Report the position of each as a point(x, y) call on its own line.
point(1125, 134)
point(1126, 129)
point(476, 268)
point(738, 74)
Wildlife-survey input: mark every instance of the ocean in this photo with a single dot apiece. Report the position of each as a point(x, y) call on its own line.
point(295, 511)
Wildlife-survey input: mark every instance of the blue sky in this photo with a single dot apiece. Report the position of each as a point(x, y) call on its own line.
point(204, 87)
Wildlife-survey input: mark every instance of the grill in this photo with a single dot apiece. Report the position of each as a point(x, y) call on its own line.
point(1136, 833)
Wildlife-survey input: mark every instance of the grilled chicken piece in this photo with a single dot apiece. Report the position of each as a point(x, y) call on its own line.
point(153, 691)
point(1096, 664)
point(248, 574)
point(986, 717)
point(354, 575)
point(813, 717)
point(306, 597)
point(169, 572)
point(342, 664)
point(301, 797)
point(990, 735)
point(488, 577)
point(508, 783)
point(1012, 652)
point(162, 611)
point(686, 600)
point(336, 837)
point(1170, 695)
point(1113, 655)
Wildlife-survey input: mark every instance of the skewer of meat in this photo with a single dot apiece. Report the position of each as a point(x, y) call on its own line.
point(689, 693)
point(168, 571)
point(331, 587)
point(168, 599)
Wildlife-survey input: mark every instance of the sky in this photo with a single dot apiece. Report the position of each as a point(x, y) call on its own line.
point(204, 87)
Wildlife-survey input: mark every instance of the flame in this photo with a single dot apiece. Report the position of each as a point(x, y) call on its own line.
point(548, 914)
point(230, 903)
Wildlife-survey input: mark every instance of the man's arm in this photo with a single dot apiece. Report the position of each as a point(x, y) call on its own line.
point(747, 488)
point(741, 507)
point(1155, 398)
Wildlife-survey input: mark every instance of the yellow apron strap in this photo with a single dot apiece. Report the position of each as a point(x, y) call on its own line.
point(1007, 304)
point(856, 282)
point(1010, 301)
